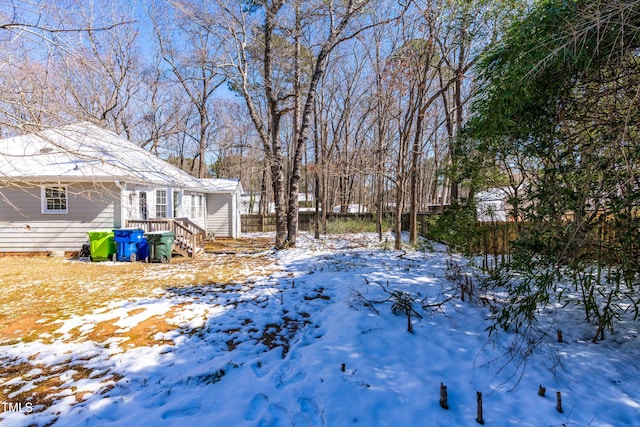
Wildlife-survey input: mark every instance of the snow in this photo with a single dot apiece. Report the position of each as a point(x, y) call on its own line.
point(317, 344)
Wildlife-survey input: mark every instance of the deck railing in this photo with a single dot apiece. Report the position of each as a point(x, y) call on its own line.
point(189, 238)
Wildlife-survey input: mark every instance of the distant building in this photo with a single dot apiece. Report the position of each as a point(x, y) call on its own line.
point(251, 201)
point(351, 208)
point(491, 205)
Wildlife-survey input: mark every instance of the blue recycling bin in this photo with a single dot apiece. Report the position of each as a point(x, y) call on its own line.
point(131, 244)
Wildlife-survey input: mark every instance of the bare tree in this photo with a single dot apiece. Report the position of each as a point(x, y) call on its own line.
point(471, 27)
point(264, 108)
point(164, 108)
point(190, 48)
point(67, 64)
point(334, 23)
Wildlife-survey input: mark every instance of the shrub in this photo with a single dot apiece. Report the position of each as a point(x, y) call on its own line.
point(353, 225)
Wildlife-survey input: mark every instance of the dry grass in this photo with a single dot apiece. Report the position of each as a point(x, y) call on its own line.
point(38, 292)
point(238, 246)
point(41, 385)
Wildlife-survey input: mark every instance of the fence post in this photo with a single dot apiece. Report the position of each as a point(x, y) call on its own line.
point(479, 418)
point(443, 396)
point(559, 401)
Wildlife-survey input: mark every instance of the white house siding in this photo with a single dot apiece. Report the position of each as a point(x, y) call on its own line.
point(219, 215)
point(23, 228)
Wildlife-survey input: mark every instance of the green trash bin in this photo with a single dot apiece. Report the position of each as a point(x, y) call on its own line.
point(160, 245)
point(101, 245)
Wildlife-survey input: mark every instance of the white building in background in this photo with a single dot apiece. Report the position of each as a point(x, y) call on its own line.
point(351, 208)
point(250, 203)
point(491, 205)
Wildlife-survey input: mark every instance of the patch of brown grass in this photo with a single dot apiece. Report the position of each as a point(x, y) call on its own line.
point(38, 292)
point(239, 246)
point(143, 334)
point(103, 331)
point(42, 388)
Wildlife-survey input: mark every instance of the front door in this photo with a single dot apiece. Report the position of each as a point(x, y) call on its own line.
point(144, 214)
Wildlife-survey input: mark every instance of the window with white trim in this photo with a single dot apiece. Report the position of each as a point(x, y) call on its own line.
point(194, 208)
point(54, 200)
point(161, 203)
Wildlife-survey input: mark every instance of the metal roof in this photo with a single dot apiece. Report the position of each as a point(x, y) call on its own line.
point(87, 152)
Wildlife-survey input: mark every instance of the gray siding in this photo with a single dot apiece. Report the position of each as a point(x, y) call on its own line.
point(23, 228)
point(218, 214)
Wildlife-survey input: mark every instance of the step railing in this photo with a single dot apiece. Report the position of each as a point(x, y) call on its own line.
point(189, 236)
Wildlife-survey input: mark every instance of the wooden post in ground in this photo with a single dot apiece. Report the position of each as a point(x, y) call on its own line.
point(479, 418)
point(541, 390)
point(443, 396)
point(559, 400)
point(559, 335)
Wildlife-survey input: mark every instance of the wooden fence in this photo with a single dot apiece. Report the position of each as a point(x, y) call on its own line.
point(490, 240)
point(262, 223)
point(493, 241)
point(306, 220)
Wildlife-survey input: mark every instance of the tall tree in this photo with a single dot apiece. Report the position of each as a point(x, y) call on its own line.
point(67, 64)
point(331, 23)
point(470, 28)
point(190, 48)
point(339, 17)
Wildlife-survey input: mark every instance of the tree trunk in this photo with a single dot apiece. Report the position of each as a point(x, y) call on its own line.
point(277, 161)
point(294, 180)
point(316, 149)
point(320, 64)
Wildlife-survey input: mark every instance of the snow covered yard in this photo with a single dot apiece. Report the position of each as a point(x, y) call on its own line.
point(302, 337)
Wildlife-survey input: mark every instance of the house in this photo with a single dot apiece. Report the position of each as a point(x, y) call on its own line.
point(491, 205)
point(57, 184)
point(350, 208)
point(250, 202)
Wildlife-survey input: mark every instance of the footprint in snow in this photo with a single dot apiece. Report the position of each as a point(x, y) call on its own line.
point(286, 379)
point(311, 414)
point(259, 369)
point(285, 375)
point(256, 407)
point(180, 413)
point(277, 417)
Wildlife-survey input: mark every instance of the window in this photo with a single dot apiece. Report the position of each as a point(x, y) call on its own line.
point(194, 209)
point(54, 200)
point(200, 206)
point(161, 203)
